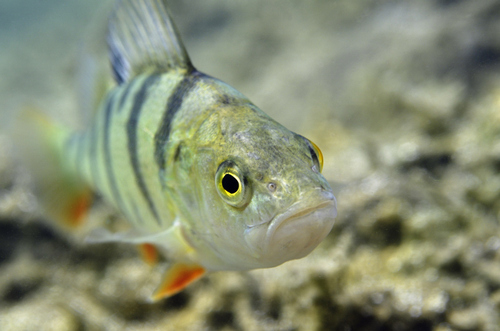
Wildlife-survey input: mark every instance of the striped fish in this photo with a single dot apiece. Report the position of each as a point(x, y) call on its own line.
point(202, 175)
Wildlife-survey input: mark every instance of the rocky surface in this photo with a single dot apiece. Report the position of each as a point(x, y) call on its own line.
point(403, 97)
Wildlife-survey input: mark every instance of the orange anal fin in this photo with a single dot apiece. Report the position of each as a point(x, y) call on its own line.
point(149, 253)
point(78, 208)
point(177, 278)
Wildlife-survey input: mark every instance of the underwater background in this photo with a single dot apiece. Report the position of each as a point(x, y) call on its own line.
point(403, 98)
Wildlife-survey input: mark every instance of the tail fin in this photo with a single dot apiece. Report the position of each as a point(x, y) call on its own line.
point(63, 195)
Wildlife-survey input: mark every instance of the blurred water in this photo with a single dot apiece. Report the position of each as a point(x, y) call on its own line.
point(37, 57)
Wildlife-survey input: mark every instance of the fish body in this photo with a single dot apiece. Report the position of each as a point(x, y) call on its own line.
point(201, 174)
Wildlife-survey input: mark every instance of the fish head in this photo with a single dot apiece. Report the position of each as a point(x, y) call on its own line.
point(265, 199)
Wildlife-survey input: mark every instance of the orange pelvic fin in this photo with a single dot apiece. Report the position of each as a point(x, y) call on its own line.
point(78, 207)
point(149, 253)
point(177, 278)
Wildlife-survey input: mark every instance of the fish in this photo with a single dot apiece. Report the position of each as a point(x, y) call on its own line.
point(202, 176)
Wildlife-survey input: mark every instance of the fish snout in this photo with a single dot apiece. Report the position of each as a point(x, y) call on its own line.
point(294, 233)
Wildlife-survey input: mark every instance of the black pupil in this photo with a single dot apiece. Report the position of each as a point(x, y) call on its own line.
point(230, 184)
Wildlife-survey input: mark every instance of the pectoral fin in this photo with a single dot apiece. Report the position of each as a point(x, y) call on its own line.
point(177, 278)
point(171, 240)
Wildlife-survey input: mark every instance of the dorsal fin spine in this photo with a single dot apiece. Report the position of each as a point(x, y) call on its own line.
point(142, 37)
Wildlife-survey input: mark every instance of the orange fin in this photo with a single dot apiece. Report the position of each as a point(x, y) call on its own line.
point(177, 278)
point(149, 253)
point(78, 207)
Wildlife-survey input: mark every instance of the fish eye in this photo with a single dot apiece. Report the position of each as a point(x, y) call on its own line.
point(231, 185)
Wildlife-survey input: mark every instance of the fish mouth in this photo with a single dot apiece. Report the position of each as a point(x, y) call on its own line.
point(294, 215)
point(294, 233)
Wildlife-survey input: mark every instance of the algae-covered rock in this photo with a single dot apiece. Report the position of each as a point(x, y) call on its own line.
point(403, 97)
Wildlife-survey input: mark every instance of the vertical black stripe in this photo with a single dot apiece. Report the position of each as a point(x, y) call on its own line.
point(132, 140)
point(173, 105)
point(108, 161)
point(124, 95)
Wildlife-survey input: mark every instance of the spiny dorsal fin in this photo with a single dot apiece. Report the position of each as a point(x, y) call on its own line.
point(94, 82)
point(94, 75)
point(142, 37)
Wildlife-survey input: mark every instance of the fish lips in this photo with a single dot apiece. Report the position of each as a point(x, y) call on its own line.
point(294, 233)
